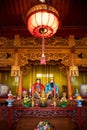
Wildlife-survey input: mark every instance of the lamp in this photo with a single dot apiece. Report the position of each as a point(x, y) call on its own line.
point(39, 19)
point(15, 69)
point(74, 71)
point(42, 22)
point(73, 68)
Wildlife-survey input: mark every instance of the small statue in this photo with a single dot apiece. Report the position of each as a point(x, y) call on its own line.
point(63, 100)
point(64, 97)
point(43, 98)
point(10, 96)
point(10, 99)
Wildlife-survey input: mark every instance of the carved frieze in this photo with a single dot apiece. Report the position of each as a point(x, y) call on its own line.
point(6, 42)
point(57, 50)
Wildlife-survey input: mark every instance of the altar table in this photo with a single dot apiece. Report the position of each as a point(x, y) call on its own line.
point(77, 114)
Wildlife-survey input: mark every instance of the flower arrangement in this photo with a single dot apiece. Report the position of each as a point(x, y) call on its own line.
point(79, 100)
point(26, 101)
point(44, 125)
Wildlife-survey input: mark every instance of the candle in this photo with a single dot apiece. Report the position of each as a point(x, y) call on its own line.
point(54, 90)
point(32, 89)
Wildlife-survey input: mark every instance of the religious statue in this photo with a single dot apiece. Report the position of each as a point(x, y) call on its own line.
point(43, 98)
point(63, 100)
point(51, 89)
point(37, 88)
point(10, 96)
point(10, 99)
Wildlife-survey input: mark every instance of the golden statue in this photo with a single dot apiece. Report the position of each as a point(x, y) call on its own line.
point(43, 98)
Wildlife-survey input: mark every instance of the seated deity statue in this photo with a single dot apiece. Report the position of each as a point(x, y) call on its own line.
point(51, 89)
point(37, 88)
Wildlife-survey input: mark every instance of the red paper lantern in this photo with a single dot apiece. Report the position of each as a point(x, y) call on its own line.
point(41, 20)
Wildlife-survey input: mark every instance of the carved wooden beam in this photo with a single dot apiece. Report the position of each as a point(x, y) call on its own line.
point(57, 50)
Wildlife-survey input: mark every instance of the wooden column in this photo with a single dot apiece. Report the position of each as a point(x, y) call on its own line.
point(72, 62)
point(20, 85)
point(69, 85)
point(16, 59)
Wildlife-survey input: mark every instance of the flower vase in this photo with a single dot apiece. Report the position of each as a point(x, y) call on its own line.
point(10, 102)
point(63, 104)
point(79, 102)
point(27, 105)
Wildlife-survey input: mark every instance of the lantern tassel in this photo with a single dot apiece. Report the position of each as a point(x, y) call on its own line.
point(43, 60)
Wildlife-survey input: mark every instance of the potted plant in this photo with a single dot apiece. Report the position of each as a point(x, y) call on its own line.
point(26, 102)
